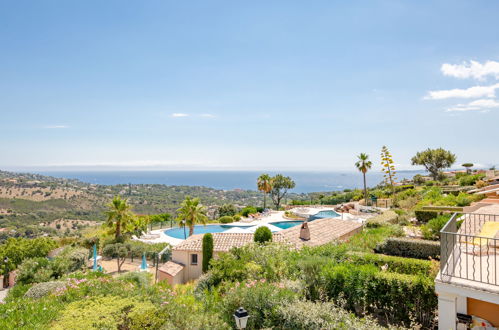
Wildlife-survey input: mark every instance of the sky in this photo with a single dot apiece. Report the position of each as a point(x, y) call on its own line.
point(245, 85)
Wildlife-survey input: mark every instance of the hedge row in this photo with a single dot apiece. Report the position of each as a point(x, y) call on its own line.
point(409, 247)
point(394, 264)
point(398, 298)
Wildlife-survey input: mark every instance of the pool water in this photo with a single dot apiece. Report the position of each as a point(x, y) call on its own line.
point(324, 214)
point(198, 229)
point(286, 224)
point(201, 229)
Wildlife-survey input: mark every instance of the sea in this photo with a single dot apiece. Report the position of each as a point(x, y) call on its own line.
point(306, 182)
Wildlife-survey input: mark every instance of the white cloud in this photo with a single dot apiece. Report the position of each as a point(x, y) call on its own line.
point(468, 93)
point(483, 105)
point(207, 115)
point(471, 69)
point(179, 115)
point(55, 126)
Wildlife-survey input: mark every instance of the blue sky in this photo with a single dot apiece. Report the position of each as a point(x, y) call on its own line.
point(276, 85)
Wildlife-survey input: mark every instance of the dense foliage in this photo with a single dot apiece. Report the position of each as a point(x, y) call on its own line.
point(262, 235)
point(16, 250)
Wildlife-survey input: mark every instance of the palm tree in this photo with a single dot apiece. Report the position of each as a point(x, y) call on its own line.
point(192, 212)
point(119, 215)
point(264, 184)
point(363, 165)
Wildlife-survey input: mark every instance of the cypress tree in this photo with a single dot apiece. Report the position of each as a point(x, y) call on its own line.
point(207, 251)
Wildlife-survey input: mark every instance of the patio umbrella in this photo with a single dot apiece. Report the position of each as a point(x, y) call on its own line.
point(143, 266)
point(95, 257)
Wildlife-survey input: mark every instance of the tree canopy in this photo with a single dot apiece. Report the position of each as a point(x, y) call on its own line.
point(363, 164)
point(192, 212)
point(280, 186)
point(119, 216)
point(264, 184)
point(434, 160)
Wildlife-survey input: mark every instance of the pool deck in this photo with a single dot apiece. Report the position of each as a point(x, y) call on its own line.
point(274, 216)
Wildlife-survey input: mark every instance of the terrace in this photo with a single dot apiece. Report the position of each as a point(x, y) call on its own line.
point(469, 252)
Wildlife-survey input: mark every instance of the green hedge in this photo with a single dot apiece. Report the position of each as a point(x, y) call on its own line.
point(394, 264)
point(425, 216)
point(409, 247)
point(398, 298)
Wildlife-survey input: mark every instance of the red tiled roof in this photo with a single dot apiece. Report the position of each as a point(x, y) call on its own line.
point(322, 231)
point(222, 242)
point(171, 268)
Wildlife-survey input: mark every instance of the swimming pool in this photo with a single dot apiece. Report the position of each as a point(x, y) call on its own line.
point(324, 214)
point(286, 224)
point(198, 229)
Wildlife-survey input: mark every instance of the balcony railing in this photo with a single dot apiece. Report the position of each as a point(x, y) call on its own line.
point(466, 253)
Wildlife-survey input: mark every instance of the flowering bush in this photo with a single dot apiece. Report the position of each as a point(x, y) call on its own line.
point(42, 289)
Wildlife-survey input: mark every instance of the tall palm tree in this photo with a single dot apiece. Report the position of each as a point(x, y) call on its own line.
point(264, 184)
point(363, 165)
point(192, 212)
point(119, 215)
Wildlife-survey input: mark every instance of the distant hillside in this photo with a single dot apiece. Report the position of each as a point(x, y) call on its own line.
point(28, 200)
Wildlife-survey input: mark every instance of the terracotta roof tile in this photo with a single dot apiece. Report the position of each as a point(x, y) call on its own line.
point(222, 242)
point(322, 231)
point(171, 268)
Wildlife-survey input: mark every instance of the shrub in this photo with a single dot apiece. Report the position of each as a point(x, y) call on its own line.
point(470, 180)
point(236, 217)
point(140, 279)
point(30, 271)
point(207, 251)
point(431, 230)
point(411, 248)
point(385, 218)
point(262, 235)
point(77, 258)
point(262, 301)
point(425, 216)
point(398, 298)
point(16, 292)
point(41, 269)
point(248, 210)
point(109, 313)
point(320, 315)
point(418, 179)
point(408, 203)
point(226, 219)
point(40, 290)
point(227, 210)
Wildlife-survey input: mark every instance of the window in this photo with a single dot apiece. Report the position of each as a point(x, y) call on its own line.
point(194, 259)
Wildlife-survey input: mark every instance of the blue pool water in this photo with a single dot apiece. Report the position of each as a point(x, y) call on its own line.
point(286, 224)
point(324, 214)
point(198, 229)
